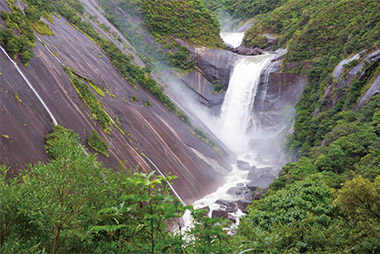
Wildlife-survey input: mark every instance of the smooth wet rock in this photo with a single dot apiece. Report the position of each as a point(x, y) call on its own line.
point(232, 218)
point(231, 209)
point(266, 171)
point(225, 203)
point(219, 213)
point(207, 208)
point(252, 186)
point(260, 192)
point(240, 184)
point(272, 40)
point(243, 165)
point(242, 50)
point(235, 191)
point(242, 204)
point(257, 195)
point(253, 168)
point(262, 181)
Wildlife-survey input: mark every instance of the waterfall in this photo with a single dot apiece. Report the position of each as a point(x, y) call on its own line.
point(236, 118)
point(55, 122)
point(232, 39)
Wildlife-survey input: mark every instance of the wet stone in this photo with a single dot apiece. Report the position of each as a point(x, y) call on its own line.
point(219, 213)
point(232, 218)
point(231, 209)
point(235, 191)
point(225, 203)
point(207, 208)
point(243, 165)
point(252, 186)
point(242, 204)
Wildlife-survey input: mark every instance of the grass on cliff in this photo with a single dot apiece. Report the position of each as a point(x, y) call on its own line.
point(99, 144)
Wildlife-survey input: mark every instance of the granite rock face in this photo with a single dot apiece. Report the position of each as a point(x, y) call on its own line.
point(357, 67)
point(153, 132)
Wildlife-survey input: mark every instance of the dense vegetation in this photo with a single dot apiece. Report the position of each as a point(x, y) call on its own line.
point(311, 29)
point(189, 20)
point(69, 9)
point(96, 142)
point(75, 205)
point(326, 202)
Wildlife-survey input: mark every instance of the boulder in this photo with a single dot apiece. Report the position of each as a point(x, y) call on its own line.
point(232, 218)
point(207, 208)
point(235, 191)
point(215, 64)
point(261, 181)
point(219, 213)
point(257, 195)
point(253, 168)
point(260, 192)
point(242, 204)
point(243, 165)
point(254, 52)
point(272, 40)
point(231, 209)
point(266, 171)
point(225, 203)
point(252, 186)
point(242, 50)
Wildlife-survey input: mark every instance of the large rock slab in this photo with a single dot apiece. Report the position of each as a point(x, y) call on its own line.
point(219, 213)
point(214, 64)
point(242, 204)
point(243, 165)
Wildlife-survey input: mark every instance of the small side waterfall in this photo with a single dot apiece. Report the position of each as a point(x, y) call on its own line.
point(237, 118)
point(55, 122)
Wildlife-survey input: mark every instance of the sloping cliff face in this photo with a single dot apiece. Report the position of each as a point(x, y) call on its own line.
point(152, 131)
point(354, 69)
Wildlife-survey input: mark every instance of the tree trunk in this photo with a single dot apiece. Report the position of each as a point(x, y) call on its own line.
point(56, 239)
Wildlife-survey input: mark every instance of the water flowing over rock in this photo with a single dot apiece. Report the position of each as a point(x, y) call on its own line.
point(155, 131)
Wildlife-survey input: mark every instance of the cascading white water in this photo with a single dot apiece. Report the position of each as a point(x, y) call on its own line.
point(232, 39)
point(235, 126)
point(236, 114)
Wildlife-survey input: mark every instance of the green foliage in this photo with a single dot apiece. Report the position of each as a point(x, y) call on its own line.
point(189, 20)
point(75, 205)
point(96, 142)
point(22, 44)
point(312, 29)
point(96, 107)
point(359, 200)
point(243, 9)
point(207, 235)
point(148, 104)
point(42, 28)
point(217, 88)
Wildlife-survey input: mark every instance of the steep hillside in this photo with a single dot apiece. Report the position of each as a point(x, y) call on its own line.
point(103, 90)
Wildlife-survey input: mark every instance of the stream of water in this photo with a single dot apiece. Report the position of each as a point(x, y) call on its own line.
point(55, 122)
point(236, 127)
